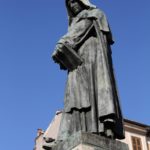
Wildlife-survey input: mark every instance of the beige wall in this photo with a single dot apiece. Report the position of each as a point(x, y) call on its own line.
point(129, 141)
point(135, 130)
point(148, 145)
point(39, 142)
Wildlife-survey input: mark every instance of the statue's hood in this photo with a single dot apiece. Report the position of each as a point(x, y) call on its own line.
point(87, 3)
point(84, 2)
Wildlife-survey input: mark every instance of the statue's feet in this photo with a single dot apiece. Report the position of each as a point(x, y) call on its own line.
point(49, 146)
point(48, 143)
point(48, 140)
point(109, 134)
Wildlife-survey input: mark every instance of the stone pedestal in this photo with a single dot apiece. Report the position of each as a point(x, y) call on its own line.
point(88, 141)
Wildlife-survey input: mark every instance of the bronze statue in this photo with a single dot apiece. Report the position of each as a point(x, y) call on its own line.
point(91, 101)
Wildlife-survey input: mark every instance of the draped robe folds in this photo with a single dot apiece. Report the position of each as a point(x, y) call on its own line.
point(91, 97)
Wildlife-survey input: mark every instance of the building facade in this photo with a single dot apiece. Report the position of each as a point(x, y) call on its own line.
point(137, 135)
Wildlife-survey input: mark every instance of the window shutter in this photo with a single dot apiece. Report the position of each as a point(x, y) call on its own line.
point(136, 143)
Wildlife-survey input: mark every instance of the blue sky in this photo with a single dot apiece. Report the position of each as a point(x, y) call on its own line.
point(32, 86)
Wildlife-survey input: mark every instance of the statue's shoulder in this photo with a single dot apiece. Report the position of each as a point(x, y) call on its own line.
point(97, 13)
point(91, 13)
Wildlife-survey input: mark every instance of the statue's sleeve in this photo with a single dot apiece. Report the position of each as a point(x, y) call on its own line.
point(76, 32)
point(65, 53)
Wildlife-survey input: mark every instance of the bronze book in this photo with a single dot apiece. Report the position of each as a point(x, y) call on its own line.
point(67, 58)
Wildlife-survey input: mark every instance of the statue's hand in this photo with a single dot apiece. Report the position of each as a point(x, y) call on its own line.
point(70, 44)
point(59, 47)
point(56, 54)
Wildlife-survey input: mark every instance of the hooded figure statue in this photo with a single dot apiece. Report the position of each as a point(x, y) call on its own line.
point(91, 102)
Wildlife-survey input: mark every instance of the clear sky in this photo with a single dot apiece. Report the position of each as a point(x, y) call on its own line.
point(32, 86)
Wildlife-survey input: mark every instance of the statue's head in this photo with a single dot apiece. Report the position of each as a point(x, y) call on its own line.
point(76, 6)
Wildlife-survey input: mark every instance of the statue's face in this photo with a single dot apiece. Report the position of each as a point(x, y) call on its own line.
point(75, 6)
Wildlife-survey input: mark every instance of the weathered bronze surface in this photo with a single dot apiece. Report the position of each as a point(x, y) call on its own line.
point(91, 98)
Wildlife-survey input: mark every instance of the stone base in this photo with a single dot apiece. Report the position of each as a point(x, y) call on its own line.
point(88, 141)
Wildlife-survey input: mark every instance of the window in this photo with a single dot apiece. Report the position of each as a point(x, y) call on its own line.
point(136, 143)
point(149, 146)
